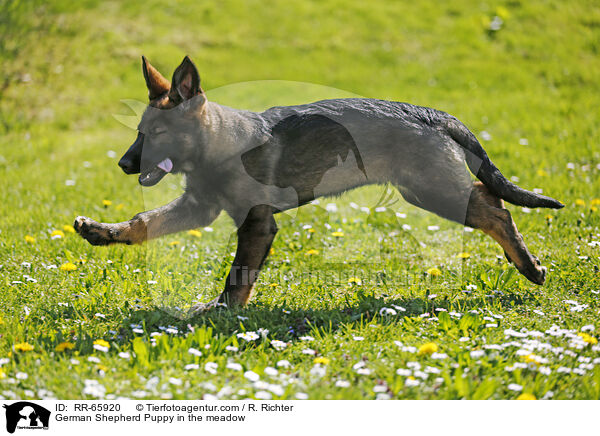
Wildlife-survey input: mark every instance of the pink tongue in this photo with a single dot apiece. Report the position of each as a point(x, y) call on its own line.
point(166, 165)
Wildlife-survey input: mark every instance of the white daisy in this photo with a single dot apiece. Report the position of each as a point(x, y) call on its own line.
point(410, 383)
point(175, 381)
point(252, 376)
point(234, 366)
point(195, 352)
point(270, 371)
point(248, 336)
point(515, 387)
point(278, 345)
point(342, 384)
point(211, 367)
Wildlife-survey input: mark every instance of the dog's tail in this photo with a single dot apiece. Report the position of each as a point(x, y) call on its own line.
point(485, 170)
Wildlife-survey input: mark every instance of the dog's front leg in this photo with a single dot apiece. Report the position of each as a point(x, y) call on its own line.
point(184, 213)
point(255, 237)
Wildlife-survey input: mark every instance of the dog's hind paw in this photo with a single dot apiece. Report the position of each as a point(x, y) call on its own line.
point(541, 278)
point(94, 232)
point(536, 273)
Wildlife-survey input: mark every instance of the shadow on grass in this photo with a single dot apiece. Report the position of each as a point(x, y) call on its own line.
point(287, 323)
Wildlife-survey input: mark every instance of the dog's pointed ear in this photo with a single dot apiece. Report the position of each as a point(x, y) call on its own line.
point(156, 83)
point(186, 81)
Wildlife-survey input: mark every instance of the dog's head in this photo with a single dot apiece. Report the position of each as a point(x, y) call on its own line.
point(170, 125)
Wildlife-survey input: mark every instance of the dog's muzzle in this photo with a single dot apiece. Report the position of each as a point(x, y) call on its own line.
point(129, 166)
point(155, 174)
point(131, 160)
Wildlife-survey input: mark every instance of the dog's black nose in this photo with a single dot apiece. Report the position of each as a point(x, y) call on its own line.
point(128, 166)
point(131, 160)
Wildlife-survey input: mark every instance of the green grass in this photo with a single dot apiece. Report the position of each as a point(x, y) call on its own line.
point(65, 71)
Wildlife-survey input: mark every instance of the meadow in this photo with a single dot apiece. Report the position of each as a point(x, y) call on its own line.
point(363, 296)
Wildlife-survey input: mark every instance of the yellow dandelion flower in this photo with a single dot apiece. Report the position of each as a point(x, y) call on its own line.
point(119, 206)
point(173, 243)
point(337, 234)
point(531, 358)
point(593, 208)
point(428, 348)
point(588, 338)
point(271, 251)
point(68, 228)
point(321, 360)
point(595, 202)
point(312, 252)
point(273, 285)
point(549, 217)
point(195, 233)
point(355, 280)
point(311, 230)
point(526, 396)
point(434, 272)
point(106, 203)
point(59, 233)
point(23, 347)
point(64, 346)
point(502, 12)
point(580, 202)
point(102, 343)
point(2, 374)
point(68, 267)
point(463, 255)
point(29, 239)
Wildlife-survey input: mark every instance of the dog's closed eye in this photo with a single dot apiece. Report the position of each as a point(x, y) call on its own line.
point(158, 130)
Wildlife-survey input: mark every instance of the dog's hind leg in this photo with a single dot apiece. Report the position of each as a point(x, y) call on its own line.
point(255, 237)
point(452, 195)
point(184, 213)
point(487, 213)
point(493, 201)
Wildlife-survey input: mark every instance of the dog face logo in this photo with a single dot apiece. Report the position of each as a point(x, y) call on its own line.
point(26, 415)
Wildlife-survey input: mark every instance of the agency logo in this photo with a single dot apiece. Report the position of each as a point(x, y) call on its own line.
point(26, 415)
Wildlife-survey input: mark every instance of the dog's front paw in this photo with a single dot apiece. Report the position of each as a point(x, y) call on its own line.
point(94, 232)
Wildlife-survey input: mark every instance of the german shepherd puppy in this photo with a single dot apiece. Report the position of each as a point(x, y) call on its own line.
point(253, 165)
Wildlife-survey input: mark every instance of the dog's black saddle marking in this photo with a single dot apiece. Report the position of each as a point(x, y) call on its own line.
point(307, 146)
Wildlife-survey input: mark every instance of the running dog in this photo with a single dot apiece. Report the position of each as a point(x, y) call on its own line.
point(253, 165)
